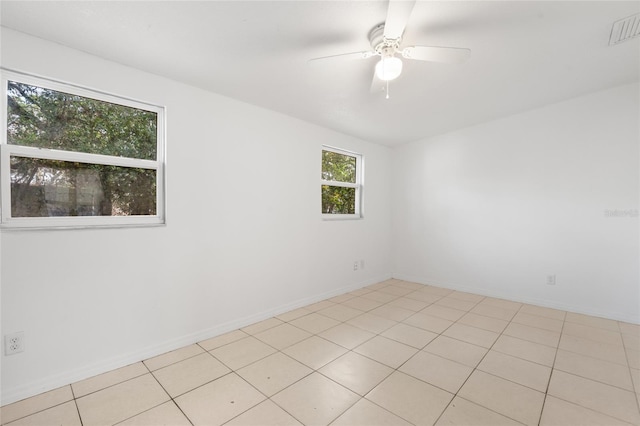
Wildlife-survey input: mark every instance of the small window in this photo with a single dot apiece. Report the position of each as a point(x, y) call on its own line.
point(341, 183)
point(75, 157)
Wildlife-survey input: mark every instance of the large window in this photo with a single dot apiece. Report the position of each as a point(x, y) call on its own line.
point(75, 157)
point(341, 183)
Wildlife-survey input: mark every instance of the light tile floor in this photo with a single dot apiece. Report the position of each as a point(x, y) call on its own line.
point(394, 353)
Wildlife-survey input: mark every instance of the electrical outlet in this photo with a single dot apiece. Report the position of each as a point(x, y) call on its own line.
point(14, 343)
point(551, 280)
point(355, 265)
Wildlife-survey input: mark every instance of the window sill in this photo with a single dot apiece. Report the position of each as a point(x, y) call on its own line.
point(65, 224)
point(332, 217)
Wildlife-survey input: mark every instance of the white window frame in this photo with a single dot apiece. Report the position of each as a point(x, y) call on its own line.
point(358, 185)
point(8, 150)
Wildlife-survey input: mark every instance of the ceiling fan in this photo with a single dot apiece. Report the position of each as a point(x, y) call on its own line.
point(386, 40)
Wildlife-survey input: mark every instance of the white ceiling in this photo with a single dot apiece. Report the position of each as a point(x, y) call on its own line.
point(524, 55)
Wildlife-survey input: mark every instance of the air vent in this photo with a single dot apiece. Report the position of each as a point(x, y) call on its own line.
point(625, 29)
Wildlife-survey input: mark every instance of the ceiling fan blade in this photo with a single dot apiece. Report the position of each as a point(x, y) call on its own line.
point(450, 55)
point(346, 56)
point(397, 17)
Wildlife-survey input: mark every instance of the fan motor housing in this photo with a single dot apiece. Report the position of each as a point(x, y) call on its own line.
point(376, 35)
point(379, 43)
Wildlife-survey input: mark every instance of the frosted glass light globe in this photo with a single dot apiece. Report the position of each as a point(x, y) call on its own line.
point(388, 68)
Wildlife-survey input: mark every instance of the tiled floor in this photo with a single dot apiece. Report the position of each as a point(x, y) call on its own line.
point(395, 353)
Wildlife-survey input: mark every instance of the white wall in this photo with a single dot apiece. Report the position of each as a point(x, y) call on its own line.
point(497, 207)
point(244, 238)
point(491, 209)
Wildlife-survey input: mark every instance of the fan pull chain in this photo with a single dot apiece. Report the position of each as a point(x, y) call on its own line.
point(387, 97)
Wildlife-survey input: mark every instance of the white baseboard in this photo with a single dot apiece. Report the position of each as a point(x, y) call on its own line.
point(617, 316)
point(55, 381)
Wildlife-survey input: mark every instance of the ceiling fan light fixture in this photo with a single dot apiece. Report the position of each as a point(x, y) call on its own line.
point(389, 68)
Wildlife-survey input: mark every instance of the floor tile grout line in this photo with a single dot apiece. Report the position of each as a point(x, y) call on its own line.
point(341, 413)
point(590, 409)
point(486, 408)
point(557, 348)
point(146, 411)
point(553, 365)
point(349, 350)
point(379, 333)
point(520, 358)
point(476, 369)
point(171, 399)
point(590, 355)
point(372, 402)
point(554, 369)
point(246, 365)
point(175, 362)
point(624, 345)
point(244, 329)
point(339, 384)
point(370, 390)
point(198, 386)
point(533, 341)
point(636, 390)
point(313, 370)
point(182, 411)
point(363, 396)
point(397, 369)
point(592, 379)
point(472, 370)
point(75, 404)
point(619, 330)
point(125, 381)
point(489, 350)
point(267, 397)
point(228, 343)
point(111, 385)
point(42, 410)
point(389, 411)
